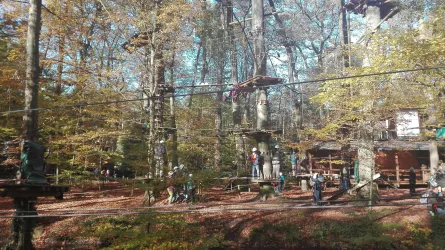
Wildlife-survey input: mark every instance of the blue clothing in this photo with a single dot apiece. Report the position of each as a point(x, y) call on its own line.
point(281, 183)
point(317, 190)
point(293, 158)
point(255, 167)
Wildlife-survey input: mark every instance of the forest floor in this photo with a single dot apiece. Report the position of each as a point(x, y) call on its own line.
point(229, 220)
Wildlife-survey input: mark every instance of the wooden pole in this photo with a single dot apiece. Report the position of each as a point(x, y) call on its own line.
point(397, 170)
point(57, 175)
point(310, 163)
point(330, 164)
point(434, 157)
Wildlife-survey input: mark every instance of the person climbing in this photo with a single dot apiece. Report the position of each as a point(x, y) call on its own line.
point(412, 181)
point(276, 162)
point(254, 159)
point(293, 162)
point(282, 179)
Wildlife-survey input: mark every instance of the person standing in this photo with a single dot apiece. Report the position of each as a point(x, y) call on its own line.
point(171, 187)
point(293, 162)
point(345, 177)
point(276, 162)
point(316, 189)
point(412, 181)
point(261, 164)
point(255, 160)
point(190, 194)
point(282, 179)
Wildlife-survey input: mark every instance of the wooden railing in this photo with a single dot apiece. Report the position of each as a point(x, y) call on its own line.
point(399, 175)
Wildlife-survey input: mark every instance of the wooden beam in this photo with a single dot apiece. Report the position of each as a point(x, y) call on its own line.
point(330, 163)
point(397, 170)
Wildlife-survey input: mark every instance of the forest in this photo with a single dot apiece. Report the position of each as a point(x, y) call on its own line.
point(102, 84)
point(98, 60)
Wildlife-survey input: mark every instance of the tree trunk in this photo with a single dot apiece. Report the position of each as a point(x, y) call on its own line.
point(366, 158)
point(434, 157)
point(218, 118)
point(236, 111)
point(59, 84)
point(23, 227)
point(366, 155)
point(258, 31)
point(174, 134)
point(30, 119)
point(192, 91)
point(290, 63)
point(260, 70)
point(343, 27)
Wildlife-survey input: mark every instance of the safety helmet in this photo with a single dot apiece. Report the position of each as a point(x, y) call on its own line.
point(281, 173)
point(175, 168)
point(277, 146)
point(190, 175)
point(254, 149)
point(161, 141)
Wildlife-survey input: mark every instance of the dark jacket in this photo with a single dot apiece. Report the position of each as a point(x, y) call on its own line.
point(412, 177)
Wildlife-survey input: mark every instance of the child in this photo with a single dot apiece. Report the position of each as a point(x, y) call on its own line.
point(281, 182)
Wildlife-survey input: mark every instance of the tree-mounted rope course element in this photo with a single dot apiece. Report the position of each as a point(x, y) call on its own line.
point(388, 8)
point(250, 85)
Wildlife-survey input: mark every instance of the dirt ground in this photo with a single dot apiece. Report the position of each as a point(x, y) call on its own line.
point(114, 196)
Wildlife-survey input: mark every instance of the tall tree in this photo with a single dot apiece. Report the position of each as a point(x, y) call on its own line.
point(30, 119)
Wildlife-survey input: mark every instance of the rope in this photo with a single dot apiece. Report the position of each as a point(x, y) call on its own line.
point(264, 208)
point(214, 92)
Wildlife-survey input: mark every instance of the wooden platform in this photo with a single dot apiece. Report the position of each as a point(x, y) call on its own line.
point(26, 190)
point(251, 84)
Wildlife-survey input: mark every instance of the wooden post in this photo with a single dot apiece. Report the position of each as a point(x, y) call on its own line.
point(397, 170)
point(57, 175)
point(434, 157)
point(132, 188)
point(310, 162)
point(304, 186)
point(330, 164)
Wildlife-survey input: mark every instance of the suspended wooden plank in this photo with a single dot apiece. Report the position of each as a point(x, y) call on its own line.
point(258, 81)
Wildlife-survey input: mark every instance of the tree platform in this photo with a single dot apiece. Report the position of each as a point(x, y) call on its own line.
point(258, 81)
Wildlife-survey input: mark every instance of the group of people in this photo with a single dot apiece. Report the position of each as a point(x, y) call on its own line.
point(434, 196)
point(258, 159)
point(179, 191)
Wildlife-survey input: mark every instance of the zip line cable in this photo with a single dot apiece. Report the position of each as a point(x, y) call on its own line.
point(303, 202)
point(218, 91)
point(217, 210)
